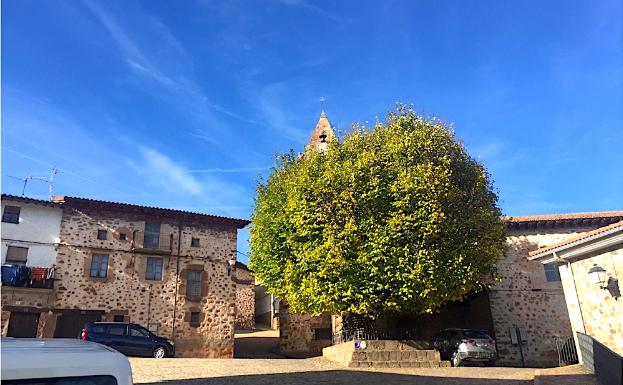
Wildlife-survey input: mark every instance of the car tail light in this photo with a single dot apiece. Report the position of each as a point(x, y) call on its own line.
point(468, 341)
point(84, 334)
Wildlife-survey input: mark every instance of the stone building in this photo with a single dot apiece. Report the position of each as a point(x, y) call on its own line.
point(168, 270)
point(245, 297)
point(530, 296)
point(589, 265)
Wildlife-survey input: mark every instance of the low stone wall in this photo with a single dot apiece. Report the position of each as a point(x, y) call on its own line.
point(298, 334)
point(204, 347)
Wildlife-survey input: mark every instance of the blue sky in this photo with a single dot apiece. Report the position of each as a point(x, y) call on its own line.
point(183, 104)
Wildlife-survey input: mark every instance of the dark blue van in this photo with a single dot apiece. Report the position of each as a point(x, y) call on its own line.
point(128, 338)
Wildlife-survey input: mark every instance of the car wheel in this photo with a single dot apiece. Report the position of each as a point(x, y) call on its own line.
point(159, 352)
point(455, 359)
point(489, 363)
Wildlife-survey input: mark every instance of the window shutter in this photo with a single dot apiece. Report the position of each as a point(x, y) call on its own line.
point(17, 254)
point(166, 231)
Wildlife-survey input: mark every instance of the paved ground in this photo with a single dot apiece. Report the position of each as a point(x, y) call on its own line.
point(257, 344)
point(566, 375)
point(197, 371)
point(260, 364)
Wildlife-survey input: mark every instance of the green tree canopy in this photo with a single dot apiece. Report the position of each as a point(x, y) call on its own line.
point(395, 218)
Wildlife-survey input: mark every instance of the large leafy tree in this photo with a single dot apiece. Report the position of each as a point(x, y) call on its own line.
point(397, 218)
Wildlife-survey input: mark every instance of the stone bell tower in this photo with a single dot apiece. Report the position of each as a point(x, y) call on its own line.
point(323, 135)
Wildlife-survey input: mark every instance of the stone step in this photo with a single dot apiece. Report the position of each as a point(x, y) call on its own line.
point(395, 355)
point(384, 354)
point(399, 364)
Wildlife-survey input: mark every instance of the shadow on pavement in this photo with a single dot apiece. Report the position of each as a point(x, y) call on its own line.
point(257, 347)
point(332, 377)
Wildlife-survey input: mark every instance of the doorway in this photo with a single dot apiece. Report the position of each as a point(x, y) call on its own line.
point(23, 325)
point(71, 322)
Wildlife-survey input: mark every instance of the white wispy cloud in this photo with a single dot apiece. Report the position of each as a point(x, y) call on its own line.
point(272, 102)
point(187, 94)
point(167, 174)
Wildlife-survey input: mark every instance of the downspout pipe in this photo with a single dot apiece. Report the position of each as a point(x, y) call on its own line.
point(575, 288)
point(177, 274)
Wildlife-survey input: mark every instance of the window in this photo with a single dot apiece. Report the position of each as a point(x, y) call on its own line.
point(117, 330)
point(136, 331)
point(122, 236)
point(151, 240)
point(194, 242)
point(551, 272)
point(99, 265)
point(16, 255)
point(154, 269)
point(323, 334)
point(102, 235)
point(194, 317)
point(98, 329)
point(82, 380)
point(10, 214)
point(193, 283)
point(119, 318)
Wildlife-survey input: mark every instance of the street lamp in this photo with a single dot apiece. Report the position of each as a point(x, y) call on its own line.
point(597, 275)
point(232, 263)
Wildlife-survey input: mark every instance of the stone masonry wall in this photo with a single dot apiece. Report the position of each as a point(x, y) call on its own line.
point(161, 305)
point(297, 333)
point(245, 299)
point(600, 312)
point(526, 300)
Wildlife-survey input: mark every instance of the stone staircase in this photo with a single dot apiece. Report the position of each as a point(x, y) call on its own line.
point(384, 354)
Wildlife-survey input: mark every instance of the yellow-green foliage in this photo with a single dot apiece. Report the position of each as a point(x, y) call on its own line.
point(397, 218)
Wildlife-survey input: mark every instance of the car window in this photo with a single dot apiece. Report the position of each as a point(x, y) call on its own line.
point(476, 334)
point(82, 380)
point(117, 330)
point(136, 331)
point(98, 329)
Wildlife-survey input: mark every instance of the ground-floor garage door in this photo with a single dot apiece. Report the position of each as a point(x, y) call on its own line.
point(70, 322)
point(23, 325)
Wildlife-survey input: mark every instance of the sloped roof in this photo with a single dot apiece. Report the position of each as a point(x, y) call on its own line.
point(21, 198)
point(578, 239)
point(173, 213)
point(588, 219)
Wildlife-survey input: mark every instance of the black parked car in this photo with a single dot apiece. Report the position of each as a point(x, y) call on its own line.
point(460, 345)
point(128, 338)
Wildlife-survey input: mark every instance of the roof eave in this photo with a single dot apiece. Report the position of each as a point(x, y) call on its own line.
point(602, 240)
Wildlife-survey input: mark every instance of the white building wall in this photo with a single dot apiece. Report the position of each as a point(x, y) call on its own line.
point(38, 230)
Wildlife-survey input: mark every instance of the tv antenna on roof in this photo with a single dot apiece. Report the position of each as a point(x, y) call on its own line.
point(26, 179)
point(49, 180)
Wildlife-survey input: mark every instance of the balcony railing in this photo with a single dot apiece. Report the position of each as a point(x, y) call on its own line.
point(159, 243)
point(23, 276)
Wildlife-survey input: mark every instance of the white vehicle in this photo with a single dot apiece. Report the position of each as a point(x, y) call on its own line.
point(32, 361)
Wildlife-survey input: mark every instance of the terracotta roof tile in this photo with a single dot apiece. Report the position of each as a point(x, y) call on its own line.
point(576, 238)
point(562, 217)
point(240, 223)
point(20, 198)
